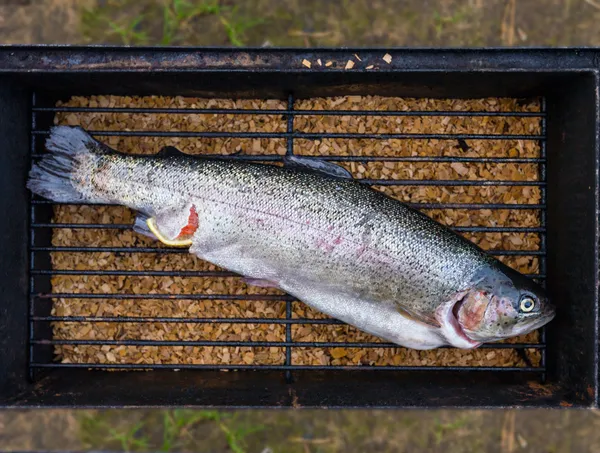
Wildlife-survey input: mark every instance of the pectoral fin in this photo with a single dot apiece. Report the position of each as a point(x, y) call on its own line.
point(140, 226)
point(419, 317)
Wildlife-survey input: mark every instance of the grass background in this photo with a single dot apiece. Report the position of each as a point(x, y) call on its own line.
point(303, 23)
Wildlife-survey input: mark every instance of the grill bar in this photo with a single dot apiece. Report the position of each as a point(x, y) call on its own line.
point(327, 321)
point(180, 251)
point(162, 296)
point(542, 260)
point(435, 159)
point(32, 254)
point(429, 182)
point(127, 226)
point(413, 205)
point(476, 206)
point(154, 273)
point(135, 273)
point(288, 304)
point(288, 344)
point(448, 182)
point(289, 112)
point(164, 366)
point(284, 321)
point(303, 135)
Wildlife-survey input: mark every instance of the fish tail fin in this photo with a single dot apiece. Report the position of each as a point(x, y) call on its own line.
point(53, 176)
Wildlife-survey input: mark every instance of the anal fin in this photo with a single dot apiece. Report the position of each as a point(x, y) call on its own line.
point(260, 282)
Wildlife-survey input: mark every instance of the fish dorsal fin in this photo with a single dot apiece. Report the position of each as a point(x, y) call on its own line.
point(419, 317)
point(170, 151)
point(318, 165)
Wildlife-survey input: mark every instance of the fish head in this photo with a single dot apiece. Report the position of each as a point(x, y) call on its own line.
point(502, 304)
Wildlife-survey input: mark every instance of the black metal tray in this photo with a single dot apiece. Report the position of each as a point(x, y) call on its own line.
point(32, 78)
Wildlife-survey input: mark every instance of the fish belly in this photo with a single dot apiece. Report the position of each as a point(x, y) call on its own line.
point(288, 256)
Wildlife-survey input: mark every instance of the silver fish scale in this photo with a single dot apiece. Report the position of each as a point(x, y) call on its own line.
point(296, 227)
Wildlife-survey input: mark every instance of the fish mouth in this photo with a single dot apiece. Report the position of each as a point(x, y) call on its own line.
point(451, 328)
point(537, 322)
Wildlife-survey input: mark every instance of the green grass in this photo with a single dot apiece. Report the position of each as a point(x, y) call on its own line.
point(166, 431)
point(172, 22)
point(179, 13)
point(236, 26)
point(177, 424)
point(440, 430)
point(128, 32)
point(118, 28)
point(130, 439)
point(442, 23)
point(322, 431)
point(116, 435)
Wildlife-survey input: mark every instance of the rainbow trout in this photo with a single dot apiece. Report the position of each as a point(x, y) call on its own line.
point(336, 244)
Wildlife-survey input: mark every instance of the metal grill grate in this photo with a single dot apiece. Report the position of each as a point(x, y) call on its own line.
point(41, 340)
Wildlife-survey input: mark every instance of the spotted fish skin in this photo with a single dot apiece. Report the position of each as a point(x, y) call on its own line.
point(336, 244)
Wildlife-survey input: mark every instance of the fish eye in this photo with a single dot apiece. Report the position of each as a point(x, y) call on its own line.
point(527, 304)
